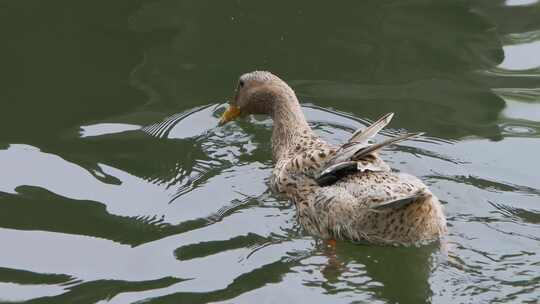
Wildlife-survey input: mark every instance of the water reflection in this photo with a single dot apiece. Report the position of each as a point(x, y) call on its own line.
point(521, 56)
point(520, 116)
point(106, 128)
point(522, 104)
point(370, 66)
point(250, 228)
point(64, 66)
point(520, 2)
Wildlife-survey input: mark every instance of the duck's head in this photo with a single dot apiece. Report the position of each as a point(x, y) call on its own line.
point(257, 92)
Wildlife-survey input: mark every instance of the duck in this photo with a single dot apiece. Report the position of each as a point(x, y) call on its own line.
point(344, 192)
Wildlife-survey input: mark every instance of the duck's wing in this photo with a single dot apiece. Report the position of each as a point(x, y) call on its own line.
point(349, 158)
point(370, 149)
point(363, 135)
point(335, 172)
point(359, 140)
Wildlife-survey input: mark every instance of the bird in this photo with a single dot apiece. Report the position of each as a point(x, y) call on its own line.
point(344, 192)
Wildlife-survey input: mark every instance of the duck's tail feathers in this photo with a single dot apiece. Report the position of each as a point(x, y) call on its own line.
point(363, 135)
point(403, 202)
point(375, 147)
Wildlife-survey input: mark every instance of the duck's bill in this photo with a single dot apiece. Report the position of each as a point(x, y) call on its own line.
point(232, 113)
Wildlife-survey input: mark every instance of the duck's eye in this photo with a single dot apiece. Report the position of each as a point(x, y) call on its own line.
point(241, 83)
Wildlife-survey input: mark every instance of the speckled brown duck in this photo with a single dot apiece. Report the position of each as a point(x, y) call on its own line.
point(346, 192)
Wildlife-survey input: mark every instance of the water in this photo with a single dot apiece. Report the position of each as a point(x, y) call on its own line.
point(116, 186)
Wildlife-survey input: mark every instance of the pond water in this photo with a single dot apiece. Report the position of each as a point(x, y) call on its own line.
point(117, 186)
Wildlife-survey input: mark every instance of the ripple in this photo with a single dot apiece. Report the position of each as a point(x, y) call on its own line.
point(210, 208)
point(523, 215)
point(527, 73)
point(24, 292)
point(522, 56)
point(106, 128)
point(518, 130)
point(191, 123)
point(519, 2)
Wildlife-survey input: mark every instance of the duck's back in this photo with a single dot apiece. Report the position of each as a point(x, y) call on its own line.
point(381, 207)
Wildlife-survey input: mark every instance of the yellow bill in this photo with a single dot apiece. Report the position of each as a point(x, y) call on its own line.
point(232, 113)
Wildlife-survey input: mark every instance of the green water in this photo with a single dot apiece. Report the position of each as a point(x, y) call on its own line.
point(116, 186)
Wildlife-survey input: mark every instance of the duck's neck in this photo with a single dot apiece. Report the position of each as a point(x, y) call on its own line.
point(289, 125)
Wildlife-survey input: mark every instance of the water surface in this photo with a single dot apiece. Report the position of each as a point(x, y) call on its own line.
point(116, 185)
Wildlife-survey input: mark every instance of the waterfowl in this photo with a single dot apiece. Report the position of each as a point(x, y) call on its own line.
point(340, 192)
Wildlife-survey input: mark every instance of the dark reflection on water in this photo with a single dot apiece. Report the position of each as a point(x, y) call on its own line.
point(116, 186)
point(375, 55)
point(64, 64)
